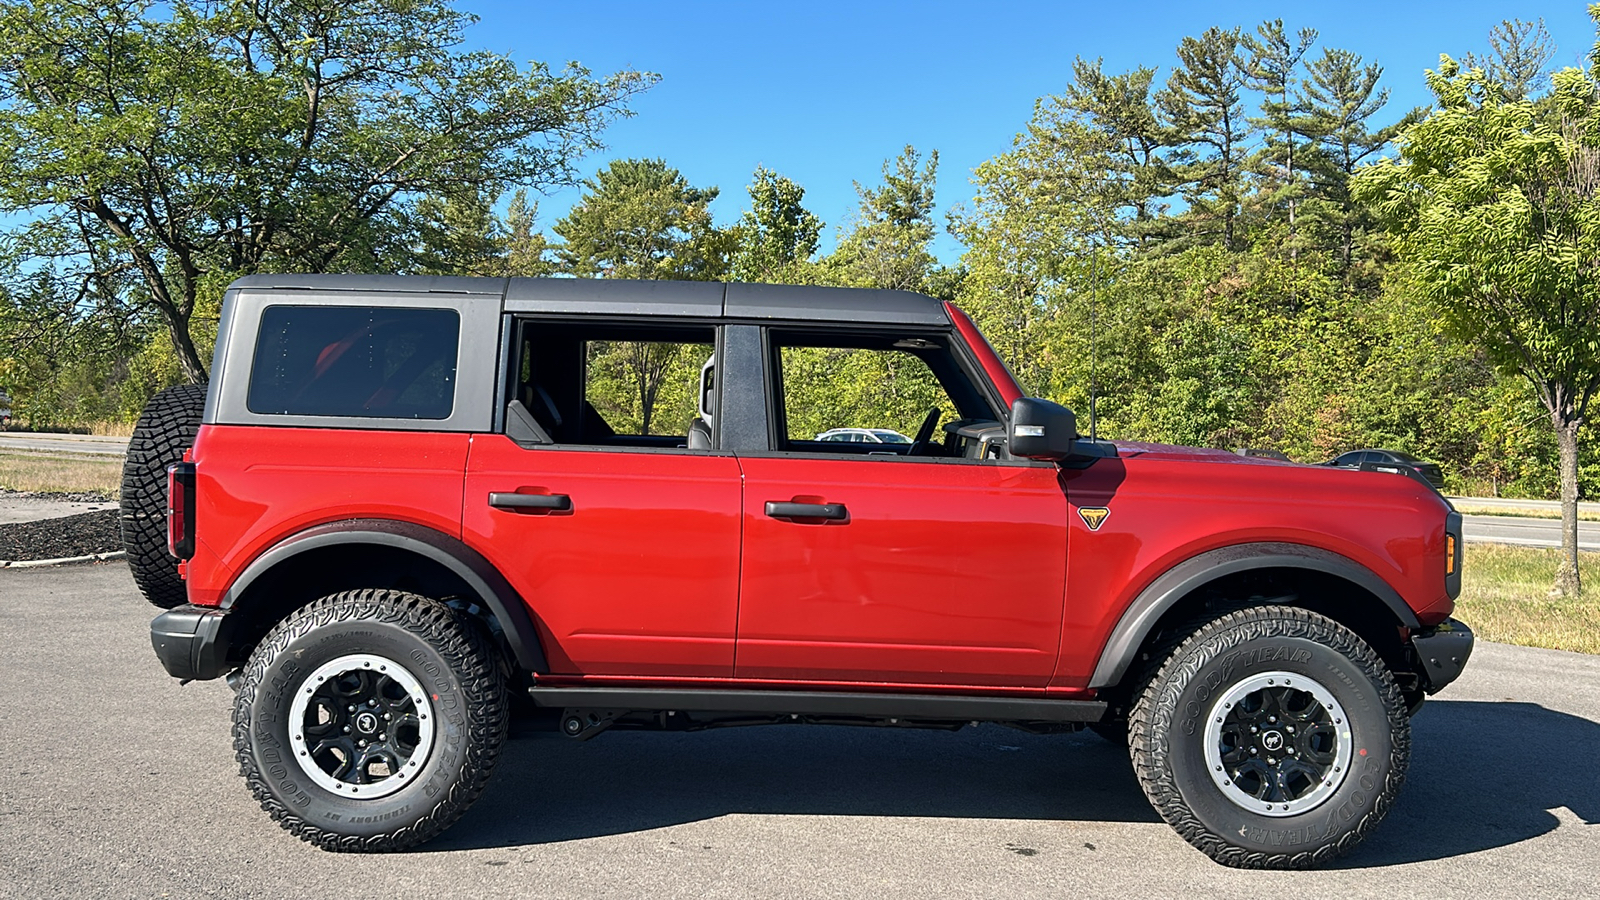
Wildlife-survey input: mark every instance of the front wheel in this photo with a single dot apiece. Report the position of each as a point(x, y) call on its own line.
point(1272, 738)
point(370, 720)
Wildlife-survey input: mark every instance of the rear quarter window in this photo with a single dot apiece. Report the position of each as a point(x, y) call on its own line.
point(360, 361)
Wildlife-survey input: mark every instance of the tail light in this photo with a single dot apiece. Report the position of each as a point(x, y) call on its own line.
point(180, 509)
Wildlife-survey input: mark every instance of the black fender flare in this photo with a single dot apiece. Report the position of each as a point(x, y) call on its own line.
point(466, 563)
point(1173, 585)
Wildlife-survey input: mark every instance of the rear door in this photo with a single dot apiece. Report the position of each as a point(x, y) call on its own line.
point(623, 541)
point(888, 562)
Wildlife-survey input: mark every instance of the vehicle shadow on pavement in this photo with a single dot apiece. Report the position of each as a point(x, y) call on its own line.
point(548, 788)
point(1484, 775)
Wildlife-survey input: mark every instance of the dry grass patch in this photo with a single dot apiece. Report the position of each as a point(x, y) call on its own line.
point(1522, 512)
point(1505, 596)
point(26, 470)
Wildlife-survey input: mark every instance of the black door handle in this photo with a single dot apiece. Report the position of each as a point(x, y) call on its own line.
point(503, 500)
point(783, 510)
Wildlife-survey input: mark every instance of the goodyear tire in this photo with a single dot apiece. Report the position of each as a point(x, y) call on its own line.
point(370, 720)
point(165, 429)
point(1273, 738)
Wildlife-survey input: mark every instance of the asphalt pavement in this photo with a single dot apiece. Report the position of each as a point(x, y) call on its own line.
point(1526, 532)
point(115, 781)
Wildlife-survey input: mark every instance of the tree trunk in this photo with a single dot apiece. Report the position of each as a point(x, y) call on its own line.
point(1568, 583)
point(194, 369)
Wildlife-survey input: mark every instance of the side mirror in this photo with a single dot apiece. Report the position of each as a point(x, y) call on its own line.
point(1041, 429)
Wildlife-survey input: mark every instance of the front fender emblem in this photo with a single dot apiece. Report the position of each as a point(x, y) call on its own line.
point(1094, 516)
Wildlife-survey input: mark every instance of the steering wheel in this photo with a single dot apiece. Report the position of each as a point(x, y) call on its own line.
point(919, 444)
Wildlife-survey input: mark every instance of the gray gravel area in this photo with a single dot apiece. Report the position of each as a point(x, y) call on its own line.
point(66, 536)
point(117, 782)
point(31, 506)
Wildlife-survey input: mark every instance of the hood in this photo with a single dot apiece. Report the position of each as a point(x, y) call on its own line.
point(1142, 450)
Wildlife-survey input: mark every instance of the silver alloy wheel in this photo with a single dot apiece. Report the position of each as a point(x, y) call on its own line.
point(361, 726)
point(1277, 744)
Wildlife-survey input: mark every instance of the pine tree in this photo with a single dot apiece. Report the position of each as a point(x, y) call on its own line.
point(1203, 103)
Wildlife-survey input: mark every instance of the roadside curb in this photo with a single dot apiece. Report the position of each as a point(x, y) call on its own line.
point(62, 561)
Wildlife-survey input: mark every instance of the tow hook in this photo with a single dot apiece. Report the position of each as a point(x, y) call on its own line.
point(583, 724)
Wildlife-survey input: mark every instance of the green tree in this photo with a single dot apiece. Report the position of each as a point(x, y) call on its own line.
point(528, 251)
point(1114, 124)
point(1341, 97)
point(777, 235)
point(1203, 104)
point(1038, 210)
point(191, 141)
point(457, 235)
point(1275, 63)
point(640, 218)
point(1518, 53)
point(887, 244)
point(1495, 203)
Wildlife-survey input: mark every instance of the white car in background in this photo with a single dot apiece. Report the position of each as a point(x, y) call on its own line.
point(864, 436)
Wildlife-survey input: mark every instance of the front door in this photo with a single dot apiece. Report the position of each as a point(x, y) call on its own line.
point(898, 561)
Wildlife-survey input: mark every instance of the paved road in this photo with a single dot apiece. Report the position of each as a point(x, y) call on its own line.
point(117, 782)
point(1527, 532)
point(91, 444)
point(1504, 503)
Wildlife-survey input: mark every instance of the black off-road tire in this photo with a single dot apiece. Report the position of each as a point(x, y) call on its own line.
point(165, 429)
point(1167, 737)
point(453, 663)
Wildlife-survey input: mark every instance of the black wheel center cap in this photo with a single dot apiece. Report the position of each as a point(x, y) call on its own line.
point(366, 723)
point(1272, 740)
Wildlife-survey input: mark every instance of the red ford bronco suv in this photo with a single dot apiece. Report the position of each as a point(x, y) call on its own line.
point(406, 505)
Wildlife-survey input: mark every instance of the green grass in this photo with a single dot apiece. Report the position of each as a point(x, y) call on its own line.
point(25, 470)
point(1505, 596)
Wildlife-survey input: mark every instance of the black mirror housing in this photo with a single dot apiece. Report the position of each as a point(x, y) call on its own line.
point(1041, 429)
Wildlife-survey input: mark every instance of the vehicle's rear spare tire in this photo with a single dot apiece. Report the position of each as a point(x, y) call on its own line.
point(165, 429)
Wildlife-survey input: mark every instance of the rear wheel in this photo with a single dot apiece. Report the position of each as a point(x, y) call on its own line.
point(1272, 738)
point(164, 431)
point(370, 720)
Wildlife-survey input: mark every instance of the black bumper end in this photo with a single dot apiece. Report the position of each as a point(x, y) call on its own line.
point(1442, 653)
point(192, 642)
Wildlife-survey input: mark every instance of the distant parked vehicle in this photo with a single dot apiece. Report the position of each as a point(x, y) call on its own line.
point(5, 409)
point(864, 436)
point(1355, 458)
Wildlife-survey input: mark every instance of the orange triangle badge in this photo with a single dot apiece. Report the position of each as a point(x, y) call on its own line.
point(1094, 516)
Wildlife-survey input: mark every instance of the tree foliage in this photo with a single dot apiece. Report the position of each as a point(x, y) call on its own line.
point(1495, 204)
point(190, 142)
point(640, 218)
point(777, 237)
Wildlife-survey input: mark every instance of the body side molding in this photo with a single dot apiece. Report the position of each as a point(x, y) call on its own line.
point(1174, 584)
point(463, 561)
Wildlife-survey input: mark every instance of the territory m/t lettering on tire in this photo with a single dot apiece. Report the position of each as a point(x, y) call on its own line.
point(370, 720)
point(1271, 738)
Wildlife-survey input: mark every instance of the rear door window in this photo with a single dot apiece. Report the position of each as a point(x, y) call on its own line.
point(359, 361)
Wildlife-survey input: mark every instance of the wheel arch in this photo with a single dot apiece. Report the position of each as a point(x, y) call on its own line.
point(353, 553)
point(1299, 575)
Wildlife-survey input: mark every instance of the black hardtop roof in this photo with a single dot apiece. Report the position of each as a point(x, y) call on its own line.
point(694, 299)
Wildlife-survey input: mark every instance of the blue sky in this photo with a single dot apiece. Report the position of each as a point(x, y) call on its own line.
point(824, 92)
